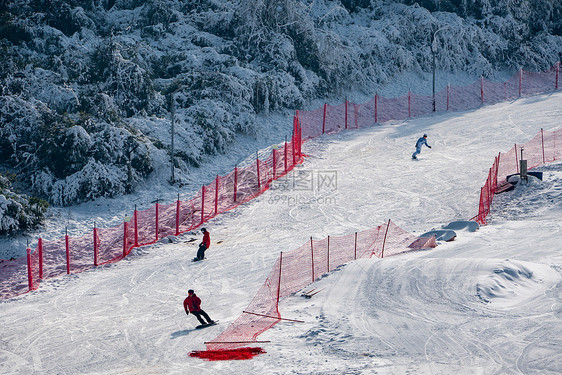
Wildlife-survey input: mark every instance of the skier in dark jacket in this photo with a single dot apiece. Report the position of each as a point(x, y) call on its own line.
point(204, 245)
point(421, 141)
point(192, 304)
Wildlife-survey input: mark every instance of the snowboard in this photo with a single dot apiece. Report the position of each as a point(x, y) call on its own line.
point(197, 259)
point(207, 325)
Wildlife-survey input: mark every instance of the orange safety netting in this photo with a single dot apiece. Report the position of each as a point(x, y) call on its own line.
point(544, 147)
point(296, 269)
point(107, 245)
point(334, 118)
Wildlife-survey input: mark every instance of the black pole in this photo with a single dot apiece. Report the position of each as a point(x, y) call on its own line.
point(434, 53)
point(433, 96)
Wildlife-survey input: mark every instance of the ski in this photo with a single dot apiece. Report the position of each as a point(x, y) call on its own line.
point(311, 292)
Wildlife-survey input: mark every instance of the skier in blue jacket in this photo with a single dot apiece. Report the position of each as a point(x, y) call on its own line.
point(422, 141)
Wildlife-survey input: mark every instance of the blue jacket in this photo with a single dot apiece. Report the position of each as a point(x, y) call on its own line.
point(422, 141)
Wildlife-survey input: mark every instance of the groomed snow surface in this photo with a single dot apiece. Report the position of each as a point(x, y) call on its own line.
point(489, 302)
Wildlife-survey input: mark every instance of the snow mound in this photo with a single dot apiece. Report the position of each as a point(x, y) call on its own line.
point(441, 234)
point(470, 226)
point(513, 283)
point(533, 199)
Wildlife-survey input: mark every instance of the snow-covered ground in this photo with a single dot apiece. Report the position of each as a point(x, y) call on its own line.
point(489, 302)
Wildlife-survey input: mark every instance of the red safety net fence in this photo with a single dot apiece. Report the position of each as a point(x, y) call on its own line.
point(107, 245)
point(545, 147)
point(295, 270)
point(335, 118)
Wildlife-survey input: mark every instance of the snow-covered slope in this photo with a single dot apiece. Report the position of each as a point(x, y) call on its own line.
point(86, 86)
point(489, 302)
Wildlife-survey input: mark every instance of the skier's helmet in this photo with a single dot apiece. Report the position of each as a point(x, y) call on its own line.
point(203, 230)
point(425, 135)
point(190, 291)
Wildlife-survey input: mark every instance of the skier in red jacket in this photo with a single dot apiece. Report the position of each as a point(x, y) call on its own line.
point(203, 245)
point(192, 304)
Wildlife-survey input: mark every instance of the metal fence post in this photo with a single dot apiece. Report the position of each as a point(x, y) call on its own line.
point(40, 249)
point(157, 218)
point(384, 241)
point(328, 270)
point(346, 113)
point(258, 168)
point(29, 270)
point(178, 216)
point(95, 246)
point(285, 156)
point(235, 182)
point(67, 245)
point(136, 224)
point(376, 107)
point(274, 163)
point(324, 119)
point(482, 89)
point(217, 195)
point(203, 204)
point(312, 257)
point(520, 81)
point(125, 234)
point(279, 283)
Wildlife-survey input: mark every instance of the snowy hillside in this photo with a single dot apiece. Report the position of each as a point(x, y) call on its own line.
point(87, 88)
point(489, 302)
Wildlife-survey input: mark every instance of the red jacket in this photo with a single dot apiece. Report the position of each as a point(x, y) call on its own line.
point(206, 239)
point(193, 302)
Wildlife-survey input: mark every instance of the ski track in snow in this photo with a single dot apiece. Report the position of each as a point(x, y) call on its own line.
point(487, 303)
